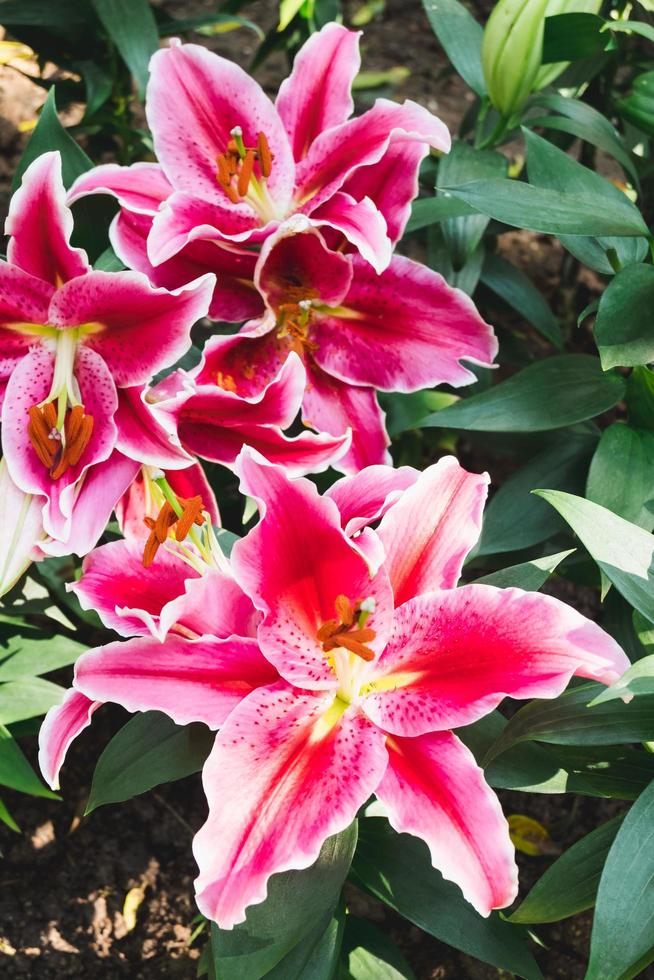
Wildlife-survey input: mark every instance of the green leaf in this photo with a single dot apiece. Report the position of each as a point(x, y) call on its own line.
point(516, 519)
point(515, 288)
point(15, 770)
point(49, 134)
point(624, 450)
point(622, 550)
point(429, 210)
point(36, 653)
point(570, 885)
point(42, 13)
point(570, 37)
point(461, 165)
point(131, 26)
point(638, 106)
point(149, 750)
point(631, 27)
point(550, 394)
point(567, 720)
point(461, 37)
point(551, 168)
point(554, 212)
point(638, 680)
point(108, 261)
point(640, 397)
point(623, 329)
point(98, 83)
point(406, 411)
point(316, 956)
point(298, 903)
point(396, 868)
point(616, 772)
point(370, 954)
point(288, 9)
point(27, 698)
point(623, 929)
point(587, 123)
point(7, 818)
point(529, 575)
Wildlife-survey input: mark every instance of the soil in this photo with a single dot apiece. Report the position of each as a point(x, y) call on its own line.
point(64, 879)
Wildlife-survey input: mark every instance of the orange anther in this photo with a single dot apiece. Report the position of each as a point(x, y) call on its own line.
point(340, 632)
point(264, 154)
point(245, 176)
point(39, 432)
point(192, 514)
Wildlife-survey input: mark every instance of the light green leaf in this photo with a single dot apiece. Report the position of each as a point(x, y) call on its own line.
point(370, 954)
point(27, 698)
point(622, 550)
point(34, 653)
point(638, 680)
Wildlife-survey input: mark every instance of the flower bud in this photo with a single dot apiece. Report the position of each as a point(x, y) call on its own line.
point(511, 52)
point(512, 49)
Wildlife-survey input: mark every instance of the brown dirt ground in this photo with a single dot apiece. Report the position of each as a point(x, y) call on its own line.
point(63, 882)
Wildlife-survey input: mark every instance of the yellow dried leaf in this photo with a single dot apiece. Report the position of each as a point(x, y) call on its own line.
point(133, 900)
point(528, 835)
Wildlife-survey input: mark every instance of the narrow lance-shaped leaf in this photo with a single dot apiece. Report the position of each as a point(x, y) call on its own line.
point(622, 941)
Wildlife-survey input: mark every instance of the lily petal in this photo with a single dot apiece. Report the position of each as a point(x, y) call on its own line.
point(235, 297)
point(127, 598)
point(190, 680)
point(331, 406)
point(21, 521)
point(140, 188)
point(40, 225)
point(141, 435)
point(366, 496)
point(140, 329)
point(362, 224)
point(337, 153)
point(316, 95)
point(434, 789)
point(455, 655)
point(295, 263)
point(282, 778)
point(430, 530)
point(60, 728)
point(314, 564)
point(403, 330)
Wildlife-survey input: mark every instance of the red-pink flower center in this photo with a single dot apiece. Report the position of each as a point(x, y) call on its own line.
point(348, 630)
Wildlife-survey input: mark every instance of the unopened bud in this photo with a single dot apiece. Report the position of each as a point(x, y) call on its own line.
point(511, 52)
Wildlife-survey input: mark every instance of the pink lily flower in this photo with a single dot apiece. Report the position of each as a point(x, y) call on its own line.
point(237, 166)
point(211, 420)
point(195, 615)
point(379, 656)
point(355, 331)
point(76, 348)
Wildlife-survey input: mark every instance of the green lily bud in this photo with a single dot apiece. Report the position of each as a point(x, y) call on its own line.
point(547, 73)
point(511, 52)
